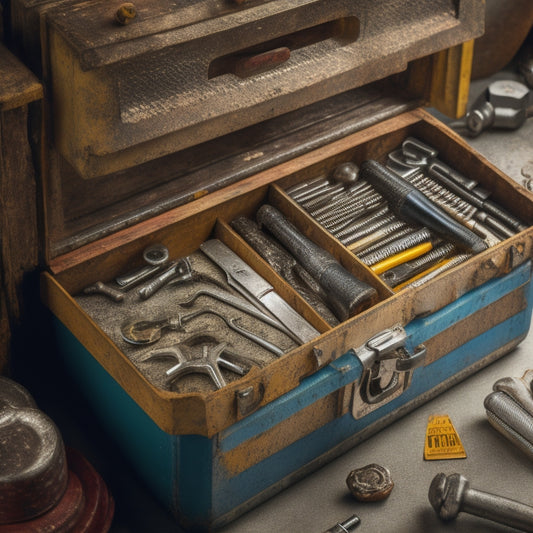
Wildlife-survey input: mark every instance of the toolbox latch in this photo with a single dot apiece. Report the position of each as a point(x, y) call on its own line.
point(387, 369)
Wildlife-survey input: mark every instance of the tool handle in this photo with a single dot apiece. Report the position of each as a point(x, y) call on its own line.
point(103, 288)
point(347, 294)
point(407, 201)
point(150, 288)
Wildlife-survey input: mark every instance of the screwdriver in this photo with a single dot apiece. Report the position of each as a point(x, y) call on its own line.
point(407, 202)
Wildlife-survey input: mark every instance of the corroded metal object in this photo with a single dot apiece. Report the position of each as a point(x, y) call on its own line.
point(372, 482)
point(346, 525)
point(285, 265)
point(408, 202)
point(258, 290)
point(125, 13)
point(347, 173)
point(33, 467)
point(451, 495)
point(150, 331)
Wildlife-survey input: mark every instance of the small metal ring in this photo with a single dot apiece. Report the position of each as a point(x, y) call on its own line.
point(156, 255)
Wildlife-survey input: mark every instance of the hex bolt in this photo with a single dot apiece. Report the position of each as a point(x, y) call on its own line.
point(450, 495)
point(346, 526)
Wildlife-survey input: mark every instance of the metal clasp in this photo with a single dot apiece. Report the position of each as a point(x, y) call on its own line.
point(387, 369)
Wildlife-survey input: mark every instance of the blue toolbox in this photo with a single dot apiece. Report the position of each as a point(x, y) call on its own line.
point(260, 248)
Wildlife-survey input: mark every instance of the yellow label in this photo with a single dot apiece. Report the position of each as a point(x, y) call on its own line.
point(442, 441)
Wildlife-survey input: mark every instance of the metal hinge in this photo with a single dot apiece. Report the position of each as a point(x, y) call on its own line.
point(387, 370)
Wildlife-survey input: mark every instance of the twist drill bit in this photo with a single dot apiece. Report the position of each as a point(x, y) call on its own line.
point(408, 202)
point(347, 295)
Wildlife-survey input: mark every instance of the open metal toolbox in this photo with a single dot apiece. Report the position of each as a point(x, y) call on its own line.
point(222, 451)
point(133, 157)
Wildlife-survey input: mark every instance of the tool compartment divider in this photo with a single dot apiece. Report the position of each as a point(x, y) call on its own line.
point(224, 232)
point(312, 229)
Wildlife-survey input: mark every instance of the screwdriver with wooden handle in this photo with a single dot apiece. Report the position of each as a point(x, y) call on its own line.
point(407, 202)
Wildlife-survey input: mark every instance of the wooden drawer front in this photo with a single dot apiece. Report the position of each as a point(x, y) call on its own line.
point(174, 79)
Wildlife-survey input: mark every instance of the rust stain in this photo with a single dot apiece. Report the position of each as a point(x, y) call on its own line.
point(474, 325)
point(280, 436)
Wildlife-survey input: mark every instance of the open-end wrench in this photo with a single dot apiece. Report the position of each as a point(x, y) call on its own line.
point(150, 331)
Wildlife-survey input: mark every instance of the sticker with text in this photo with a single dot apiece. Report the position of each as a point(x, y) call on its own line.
point(442, 441)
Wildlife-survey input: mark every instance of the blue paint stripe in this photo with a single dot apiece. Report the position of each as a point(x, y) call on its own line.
point(347, 368)
point(421, 329)
point(231, 492)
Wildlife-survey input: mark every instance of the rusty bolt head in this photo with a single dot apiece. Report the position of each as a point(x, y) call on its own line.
point(370, 483)
point(125, 13)
point(446, 494)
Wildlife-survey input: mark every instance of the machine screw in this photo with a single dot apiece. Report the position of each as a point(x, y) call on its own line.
point(299, 188)
point(326, 195)
point(346, 526)
point(450, 495)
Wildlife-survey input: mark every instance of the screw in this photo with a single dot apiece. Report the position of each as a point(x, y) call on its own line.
point(380, 237)
point(299, 188)
point(311, 192)
point(450, 495)
point(398, 245)
point(346, 526)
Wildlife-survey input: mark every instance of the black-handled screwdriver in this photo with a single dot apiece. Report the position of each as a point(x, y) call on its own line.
point(407, 202)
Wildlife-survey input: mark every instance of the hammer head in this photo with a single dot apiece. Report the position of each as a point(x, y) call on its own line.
point(446, 495)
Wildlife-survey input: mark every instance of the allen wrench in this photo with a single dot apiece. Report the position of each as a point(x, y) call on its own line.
point(240, 304)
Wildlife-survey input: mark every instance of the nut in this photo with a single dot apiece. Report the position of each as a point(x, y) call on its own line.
point(370, 483)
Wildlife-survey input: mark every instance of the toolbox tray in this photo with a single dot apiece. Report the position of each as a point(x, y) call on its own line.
point(183, 229)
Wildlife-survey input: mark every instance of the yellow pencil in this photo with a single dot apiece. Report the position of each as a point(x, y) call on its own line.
point(402, 257)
